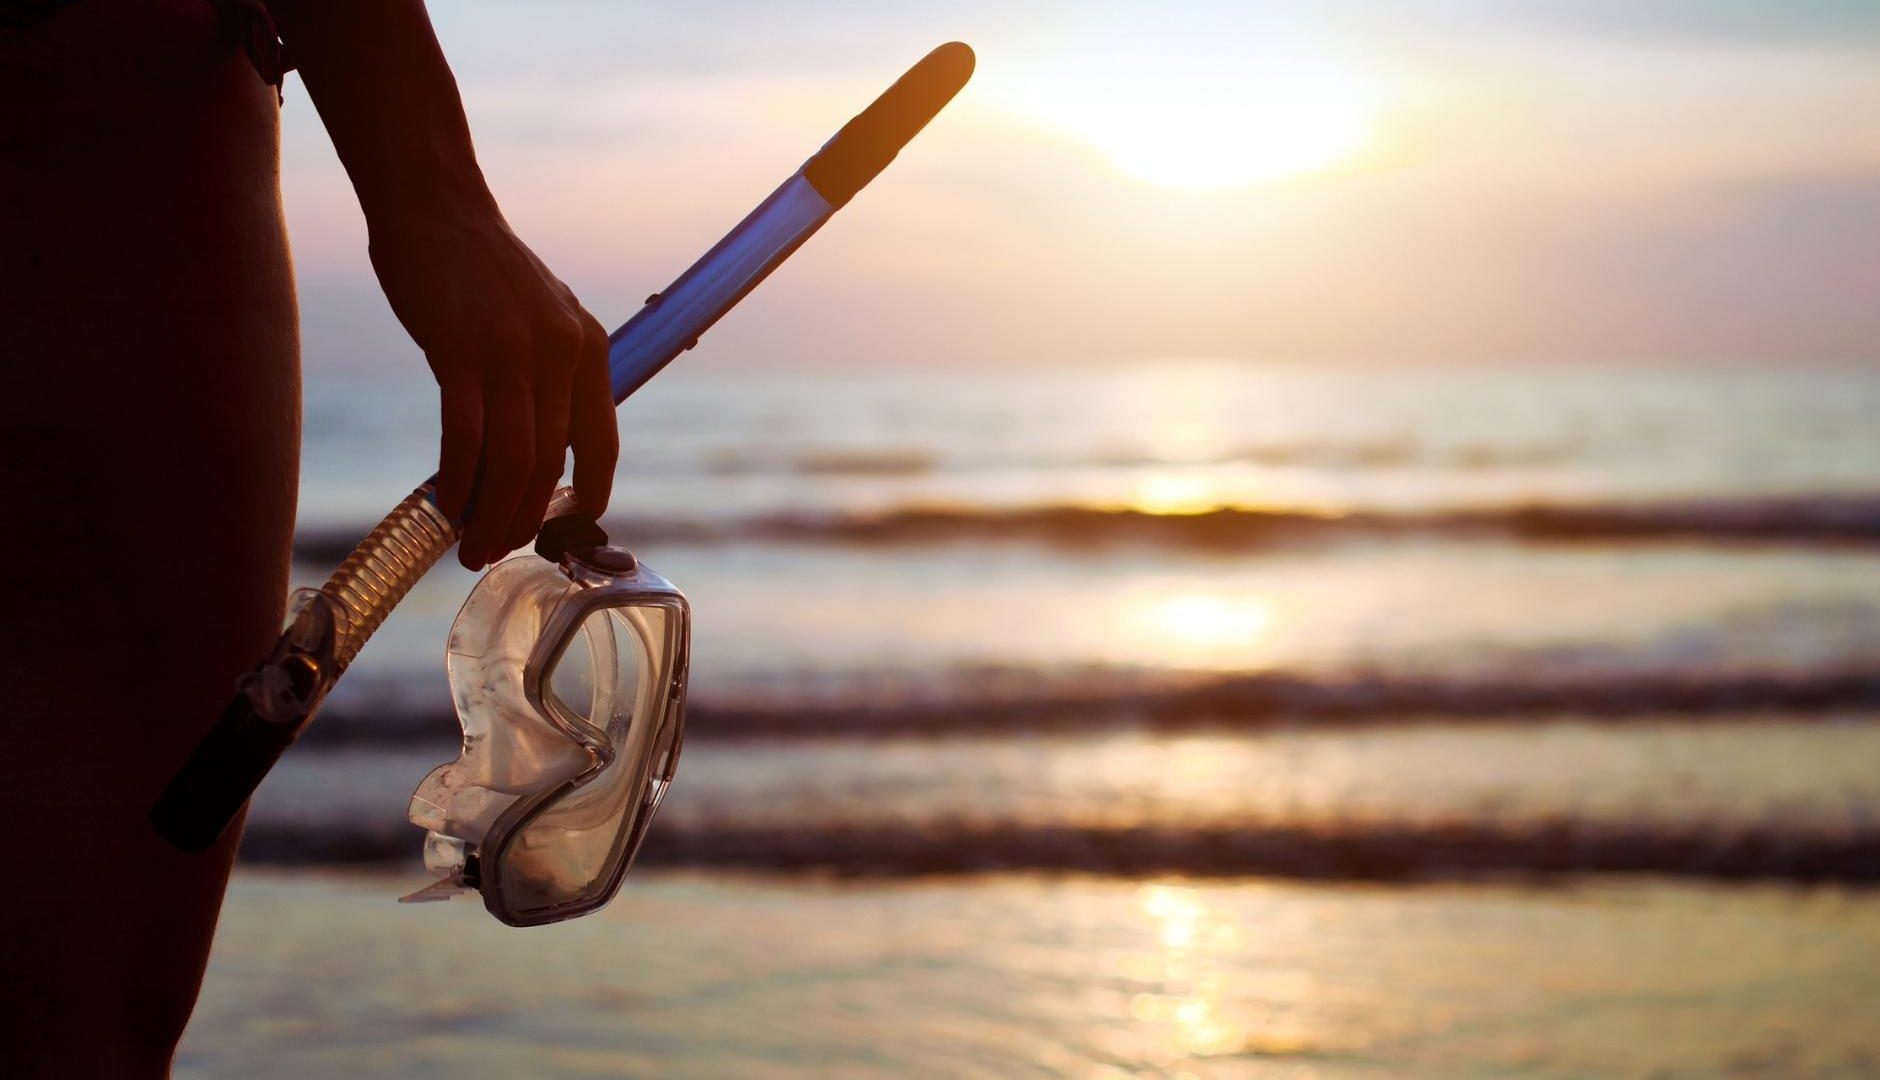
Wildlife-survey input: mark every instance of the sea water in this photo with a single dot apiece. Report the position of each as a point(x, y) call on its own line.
point(1229, 719)
point(1639, 606)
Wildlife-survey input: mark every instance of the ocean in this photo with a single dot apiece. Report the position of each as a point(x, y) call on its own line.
point(1497, 721)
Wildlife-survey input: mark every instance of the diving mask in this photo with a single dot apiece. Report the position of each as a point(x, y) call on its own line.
point(568, 676)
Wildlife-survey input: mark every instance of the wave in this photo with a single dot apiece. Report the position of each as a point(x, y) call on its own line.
point(1234, 702)
point(1849, 520)
point(1373, 853)
point(799, 460)
point(1789, 520)
point(830, 462)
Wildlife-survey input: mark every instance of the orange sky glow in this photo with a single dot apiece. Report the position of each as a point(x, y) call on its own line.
point(1246, 182)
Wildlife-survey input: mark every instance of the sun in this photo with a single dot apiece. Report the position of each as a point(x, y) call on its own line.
point(1190, 121)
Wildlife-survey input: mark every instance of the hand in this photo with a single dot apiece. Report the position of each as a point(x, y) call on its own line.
point(521, 366)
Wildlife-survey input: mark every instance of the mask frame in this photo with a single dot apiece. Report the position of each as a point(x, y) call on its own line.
point(598, 580)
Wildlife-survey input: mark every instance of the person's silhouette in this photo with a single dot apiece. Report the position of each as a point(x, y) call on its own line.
point(149, 438)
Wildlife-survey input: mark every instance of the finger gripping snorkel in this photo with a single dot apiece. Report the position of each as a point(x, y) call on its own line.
point(276, 701)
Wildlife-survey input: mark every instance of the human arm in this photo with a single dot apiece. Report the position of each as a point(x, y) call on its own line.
point(521, 366)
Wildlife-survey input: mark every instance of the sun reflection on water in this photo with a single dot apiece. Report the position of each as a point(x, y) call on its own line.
point(1197, 628)
point(1175, 493)
point(1190, 999)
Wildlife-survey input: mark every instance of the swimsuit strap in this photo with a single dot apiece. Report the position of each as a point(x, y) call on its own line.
point(244, 22)
point(16, 16)
point(248, 24)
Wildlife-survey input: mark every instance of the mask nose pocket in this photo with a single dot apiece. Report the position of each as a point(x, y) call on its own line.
point(509, 749)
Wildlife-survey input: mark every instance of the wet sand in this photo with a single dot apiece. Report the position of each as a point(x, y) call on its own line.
point(318, 973)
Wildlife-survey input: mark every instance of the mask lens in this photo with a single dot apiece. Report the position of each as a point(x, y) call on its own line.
point(615, 678)
point(580, 685)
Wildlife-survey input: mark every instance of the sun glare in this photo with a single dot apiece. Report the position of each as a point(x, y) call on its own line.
point(1174, 493)
point(1216, 621)
point(1199, 123)
point(1204, 630)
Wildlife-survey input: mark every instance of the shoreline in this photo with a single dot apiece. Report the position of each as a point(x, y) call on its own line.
point(1014, 975)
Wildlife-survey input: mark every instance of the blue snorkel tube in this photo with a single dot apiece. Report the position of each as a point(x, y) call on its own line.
point(276, 701)
point(672, 321)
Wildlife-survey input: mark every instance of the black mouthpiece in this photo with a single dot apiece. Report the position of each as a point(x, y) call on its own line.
point(867, 143)
point(218, 779)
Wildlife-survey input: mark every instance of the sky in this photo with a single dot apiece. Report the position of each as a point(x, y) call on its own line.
point(1443, 181)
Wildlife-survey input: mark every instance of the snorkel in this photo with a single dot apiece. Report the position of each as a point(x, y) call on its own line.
point(330, 625)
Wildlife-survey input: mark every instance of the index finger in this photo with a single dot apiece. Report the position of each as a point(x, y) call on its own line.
point(508, 459)
point(592, 429)
point(461, 400)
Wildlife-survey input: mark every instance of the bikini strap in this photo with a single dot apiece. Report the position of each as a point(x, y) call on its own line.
point(248, 24)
